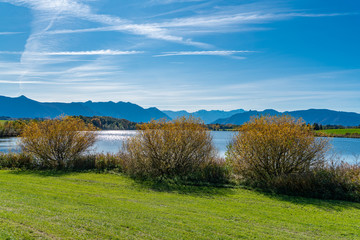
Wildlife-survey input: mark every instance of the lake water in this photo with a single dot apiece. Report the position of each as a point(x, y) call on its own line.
point(347, 149)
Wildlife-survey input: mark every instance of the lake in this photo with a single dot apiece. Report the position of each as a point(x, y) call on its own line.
point(347, 149)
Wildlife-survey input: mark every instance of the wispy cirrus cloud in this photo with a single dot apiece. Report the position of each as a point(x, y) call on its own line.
point(148, 30)
point(95, 52)
point(77, 53)
point(54, 10)
point(176, 29)
point(173, 1)
point(50, 11)
point(201, 53)
point(10, 33)
point(173, 30)
point(225, 18)
point(11, 52)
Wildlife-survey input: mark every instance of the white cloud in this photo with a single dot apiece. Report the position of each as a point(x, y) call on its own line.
point(10, 52)
point(221, 19)
point(148, 30)
point(173, 1)
point(176, 29)
point(201, 53)
point(10, 33)
point(52, 9)
point(95, 52)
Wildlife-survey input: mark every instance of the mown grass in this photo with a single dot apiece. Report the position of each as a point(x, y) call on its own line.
point(52, 205)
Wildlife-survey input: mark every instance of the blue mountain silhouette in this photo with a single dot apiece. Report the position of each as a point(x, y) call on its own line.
point(23, 107)
point(320, 116)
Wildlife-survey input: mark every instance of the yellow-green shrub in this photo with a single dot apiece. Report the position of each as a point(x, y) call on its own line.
point(170, 149)
point(271, 146)
point(54, 143)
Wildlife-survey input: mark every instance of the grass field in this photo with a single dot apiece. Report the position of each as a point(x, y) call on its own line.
point(105, 206)
point(2, 122)
point(349, 132)
point(341, 131)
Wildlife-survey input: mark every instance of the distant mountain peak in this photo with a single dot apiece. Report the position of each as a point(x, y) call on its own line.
point(23, 107)
point(320, 116)
point(207, 116)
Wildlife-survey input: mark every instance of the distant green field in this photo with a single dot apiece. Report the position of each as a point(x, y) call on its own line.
point(341, 131)
point(104, 206)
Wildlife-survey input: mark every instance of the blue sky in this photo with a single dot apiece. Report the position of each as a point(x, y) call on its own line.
point(184, 54)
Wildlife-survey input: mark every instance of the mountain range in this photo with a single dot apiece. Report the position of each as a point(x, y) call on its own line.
point(206, 116)
point(320, 116)
point(23, 107)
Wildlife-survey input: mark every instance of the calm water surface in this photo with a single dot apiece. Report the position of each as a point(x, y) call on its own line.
point(347, 149)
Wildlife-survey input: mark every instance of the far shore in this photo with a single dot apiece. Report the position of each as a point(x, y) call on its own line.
point(339, 133)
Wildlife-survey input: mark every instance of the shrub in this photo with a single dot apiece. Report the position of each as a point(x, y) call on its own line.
point(268, 147)
point(178, 149)
point(340, 181)
point(16, 161)
point(12, 128)
point(54, 143)
point(216, 172)
point(99, 162)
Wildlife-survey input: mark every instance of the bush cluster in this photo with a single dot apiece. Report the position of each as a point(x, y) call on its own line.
point(179, 149)
point(55, 143)
point(271, 146)
point(98, 162)
point(339, 181)
point(278, 154)
point(16, 161)
point(281, 154)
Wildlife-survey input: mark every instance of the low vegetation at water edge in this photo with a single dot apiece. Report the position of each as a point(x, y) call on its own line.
point(274, 154)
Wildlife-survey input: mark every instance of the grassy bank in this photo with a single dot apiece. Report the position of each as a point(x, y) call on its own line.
point(93, 206)
point(347, 132)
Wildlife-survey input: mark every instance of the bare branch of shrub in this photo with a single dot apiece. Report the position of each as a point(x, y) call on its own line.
point(168, 149)
point(56, 142)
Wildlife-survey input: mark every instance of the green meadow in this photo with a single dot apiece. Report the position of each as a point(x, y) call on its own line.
point(341, 131)
point(346, 132)
point(58, 205)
